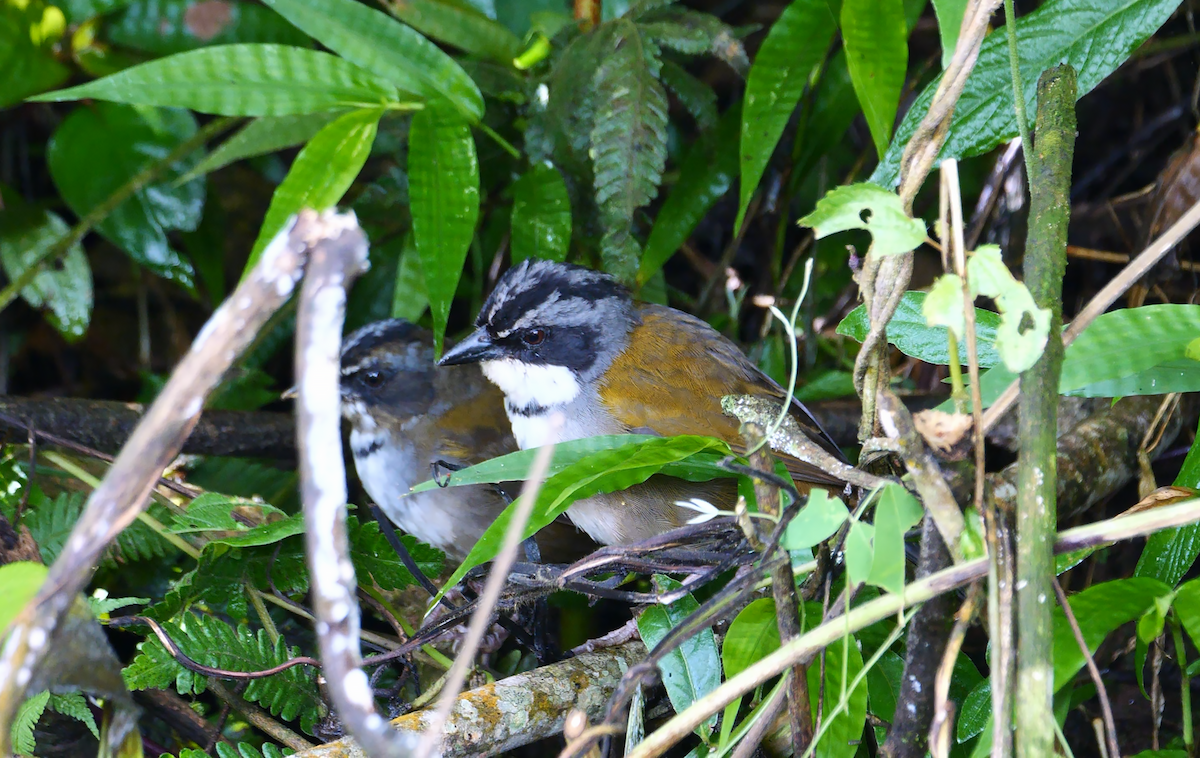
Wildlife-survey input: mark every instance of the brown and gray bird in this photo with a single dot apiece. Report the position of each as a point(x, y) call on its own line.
point(406, 413)
point(557, 337)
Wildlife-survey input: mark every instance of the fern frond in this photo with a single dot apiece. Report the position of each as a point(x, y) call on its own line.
point(695, 33)
point(695, 95)
point(628, 142)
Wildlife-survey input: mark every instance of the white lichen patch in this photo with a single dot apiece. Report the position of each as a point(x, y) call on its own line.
point(358, 689)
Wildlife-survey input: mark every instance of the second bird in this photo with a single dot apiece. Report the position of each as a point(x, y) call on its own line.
point(557, 337)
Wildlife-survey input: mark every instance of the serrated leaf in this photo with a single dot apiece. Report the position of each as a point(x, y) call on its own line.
point(705, 175)
point(25, 720)
point(693, 669)
point(443, 184)
point(613, 467)
point(693, 33)
point(164, 27)
point(697, 97)
point(949, 18)
point(50, 522)
point(816, 522)
point(96, 150)
point(102, 607)
point(628, 143)
point(1093, 37)
point(375, 559)
point(73, 704)
point(875, 35)
point(241, 80)
point(409, 300)
point(794, 46)
point(541, 215)
point(19, 582)
point(459, 26)
point(28, 32)
point(63, 287)
point(1024, 327)
point(870, 207)
point(261, 136)
point(380, 44)
point(321, 173)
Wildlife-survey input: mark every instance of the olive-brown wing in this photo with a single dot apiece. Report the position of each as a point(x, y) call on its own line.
point(672, 377)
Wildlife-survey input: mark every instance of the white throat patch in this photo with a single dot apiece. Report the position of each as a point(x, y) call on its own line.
point(525, 384)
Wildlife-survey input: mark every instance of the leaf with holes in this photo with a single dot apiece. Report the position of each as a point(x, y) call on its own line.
point(1024, 327)
point(896, 511)
point(870, 207)
point(443, 176)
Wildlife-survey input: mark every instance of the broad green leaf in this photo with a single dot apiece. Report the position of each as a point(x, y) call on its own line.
point(97, 149)
point(212, 514)
point(19, 582)
point(165, 27)
point(896, 511)
point(261, 136)
point(1187, 608)
point(1170, 553)
point(380, 44)
point(860, 551)
point(827, 385)
point(25, 720)
point(976, 711)
point(241, 80)
point(443, 185)
point(409, 300)
point(1099, 610)
point(949, 18)
point(843, 655)
point(870, 207)
point(1182, 375)
point(321, 173)
point(628, 144)
point(606, 470)
point(909, 332)
point(693, 669)
point(28, 32)
point(883, 685)
point(1148, 628)
point(705, 175)
point(1125, 342)
point(1093, 37)
point(875, 34)
point(752, 634)
point(541, 215)
point(816, 522)
point(460, 26)
point(795, 44)
point(64, 287)
point(1024, 327)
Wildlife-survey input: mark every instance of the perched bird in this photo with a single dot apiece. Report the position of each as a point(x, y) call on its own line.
point(557, 337)
point(406, 414)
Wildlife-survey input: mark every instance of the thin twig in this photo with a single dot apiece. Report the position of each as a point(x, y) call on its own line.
point(1110, 725)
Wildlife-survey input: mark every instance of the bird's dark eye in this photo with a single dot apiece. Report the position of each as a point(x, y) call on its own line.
point(372, 379)
point(534, 336)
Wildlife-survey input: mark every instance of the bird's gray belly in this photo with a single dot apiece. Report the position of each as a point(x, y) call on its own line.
point(646, 510)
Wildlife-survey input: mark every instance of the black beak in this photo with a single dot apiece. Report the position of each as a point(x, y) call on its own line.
point(478, 347)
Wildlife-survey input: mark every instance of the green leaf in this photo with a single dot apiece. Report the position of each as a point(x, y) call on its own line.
point(705, 175)
point(794, 46)
point(380, 44)
point(628, 143)
point(290, 694)
point(73, 704)
point(375, 559)
point(976, 712)
point(1024, 327)
point(64, 287)
point(693, 669)
point(841, 657)
point(1187, 608)
point(25, 720)
point(19, 582)
point(103, 607)
point(860, 551)
point(460, 26)
point(1126, 342)
point(816, 522)
point(871, 207)
point(28, 32)
point(834, 107)
point(1181, 375)
point(697, 97)
point(50, 522)
point(752, 634)
point(409, 300)
point(944, 305)
point(875, 35)
point(895, 513)
point(541, 215)
point(1099, 610)
point(910, 333)
point(694, 33)
point(261, 136)
point(883, 685)
point(241, 80)
point(213, 514)
point(443, 182)
point(950, 17)
point(607, 469)
point(1093, 37)
point(164, 27)
point(1149, 627)
point(96, 150)
point(321, 173)
point(1170, 553)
